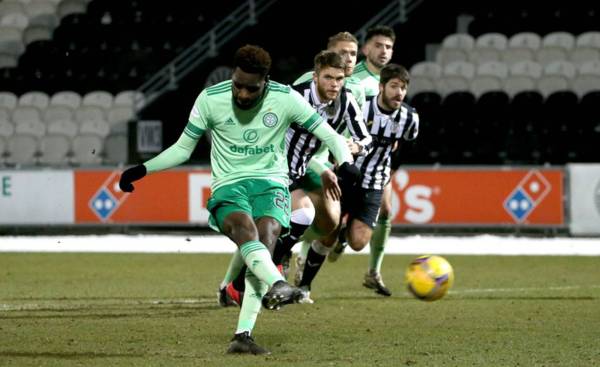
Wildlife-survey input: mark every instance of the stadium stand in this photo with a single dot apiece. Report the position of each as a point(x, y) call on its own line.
point(69, 69)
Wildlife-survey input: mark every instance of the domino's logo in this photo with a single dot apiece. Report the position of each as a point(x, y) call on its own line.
point(530, 191)
point(103, 204)
point(108, 198)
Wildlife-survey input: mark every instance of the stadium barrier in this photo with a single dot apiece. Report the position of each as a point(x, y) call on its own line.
point(483, 196)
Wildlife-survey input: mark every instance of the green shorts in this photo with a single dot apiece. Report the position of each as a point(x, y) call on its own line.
point(311, 181)
point(256, 197)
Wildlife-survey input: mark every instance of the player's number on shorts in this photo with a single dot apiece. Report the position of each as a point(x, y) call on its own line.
point(280, 200)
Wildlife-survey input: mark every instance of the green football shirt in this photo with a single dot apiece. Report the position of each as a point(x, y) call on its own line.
point(369, 81)
point(351, 83)
point(249, 143)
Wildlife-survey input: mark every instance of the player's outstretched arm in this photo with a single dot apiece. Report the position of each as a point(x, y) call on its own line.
point(174, 155)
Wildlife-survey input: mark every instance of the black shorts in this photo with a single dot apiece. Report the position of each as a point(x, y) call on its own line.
point(363, 205)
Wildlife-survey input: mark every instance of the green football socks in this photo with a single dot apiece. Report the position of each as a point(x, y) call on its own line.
point(378, 240)
point(258, 259)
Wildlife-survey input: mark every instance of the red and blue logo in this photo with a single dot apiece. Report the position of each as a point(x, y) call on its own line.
point(530, 191)
point(108, 198)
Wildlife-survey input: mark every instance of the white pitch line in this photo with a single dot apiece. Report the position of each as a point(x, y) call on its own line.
point(409, 245)
point(66, 304)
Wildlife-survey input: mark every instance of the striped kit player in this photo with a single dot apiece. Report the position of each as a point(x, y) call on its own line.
point(386, 129)
point(341, 113)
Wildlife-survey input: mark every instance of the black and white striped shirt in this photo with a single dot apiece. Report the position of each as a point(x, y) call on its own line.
point(386, 129)
point(341, 113)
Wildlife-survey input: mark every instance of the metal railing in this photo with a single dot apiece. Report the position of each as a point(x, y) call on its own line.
point(394, 13)
point(205, 47)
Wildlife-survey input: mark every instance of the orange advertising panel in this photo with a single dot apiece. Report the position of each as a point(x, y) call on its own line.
point(160, 198)
point(478, 197)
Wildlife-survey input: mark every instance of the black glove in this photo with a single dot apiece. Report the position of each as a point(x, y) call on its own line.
point(130, 175)
point(348, 175)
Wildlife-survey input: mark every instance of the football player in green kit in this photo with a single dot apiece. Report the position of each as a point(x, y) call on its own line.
point(250, 202)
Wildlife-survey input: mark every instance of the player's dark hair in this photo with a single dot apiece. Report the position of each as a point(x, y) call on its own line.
point(391, 71)
point(380, 30)
point(341, 37)
point(326, 58)
point(252, 59)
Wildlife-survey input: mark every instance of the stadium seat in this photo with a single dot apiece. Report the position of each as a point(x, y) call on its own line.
point(523, 76)
point(423, 77)
point(94, 127)
point(57, 113)
point(98, 98)
point(2, 149)
point(24, 114)
point(11, 41)
point(67, 128)
point(488, 47)
point(8, 100)
point(89, 113)
point(5, 114)
point(492, 121)
point(457, 110)
point(16, 20)
point(11, 7)
point(590, 127)
point(581, 55)
point(455, 47)
point(42, 13)
point(66, 98)
point(54, 150)
point(430, 140)
point(588, 78)
point(557, 76)
point(588, 39)
point(87, 149)
point(521, 46)
point(36, 99)
point(22, 149)
point(558, 125)
point(118, 118)
point(7, 129)
point(456, 77)
point(116, 149)
point(67, 7)
point(8, 60)
point(130, 98)
point(489, 77)
point(524, 145)
point(36, 33)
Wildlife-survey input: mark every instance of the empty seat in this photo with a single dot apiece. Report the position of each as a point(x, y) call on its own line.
point(11, 41)
point(56, 113)
point(63, 127)
point(8, 100)
point(54, 149)
point(556, 46)
point(8, 61)
point(42, 13)
point(94, 127)
point(588, 78)
point(118, 117)
point(130, 98)
point(488, 47)
point(7, 129)
point(424, 77)
point(16, 20)
point(36, 33)
point(67, 7)
point(116, 149)
point(521, 46)
point(489, 77)
point(21, 149)
point(34, 99)
point(455, 47)
point(456, 77)
point(11, 7)
point(446, 56)
point(31, 127)
point(557, 76)
point(23, 114)
point(523, 76)
point(2, 149)
point(588, 39)
point(98, 98)
point(5, 114)
point(89, 113)
point(87, 149)
point(66, 98)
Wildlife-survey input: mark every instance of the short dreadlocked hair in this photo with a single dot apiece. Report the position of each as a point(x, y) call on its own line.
point(252, 59)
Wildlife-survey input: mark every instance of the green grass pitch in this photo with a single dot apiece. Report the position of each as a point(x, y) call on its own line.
point(161, 310)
